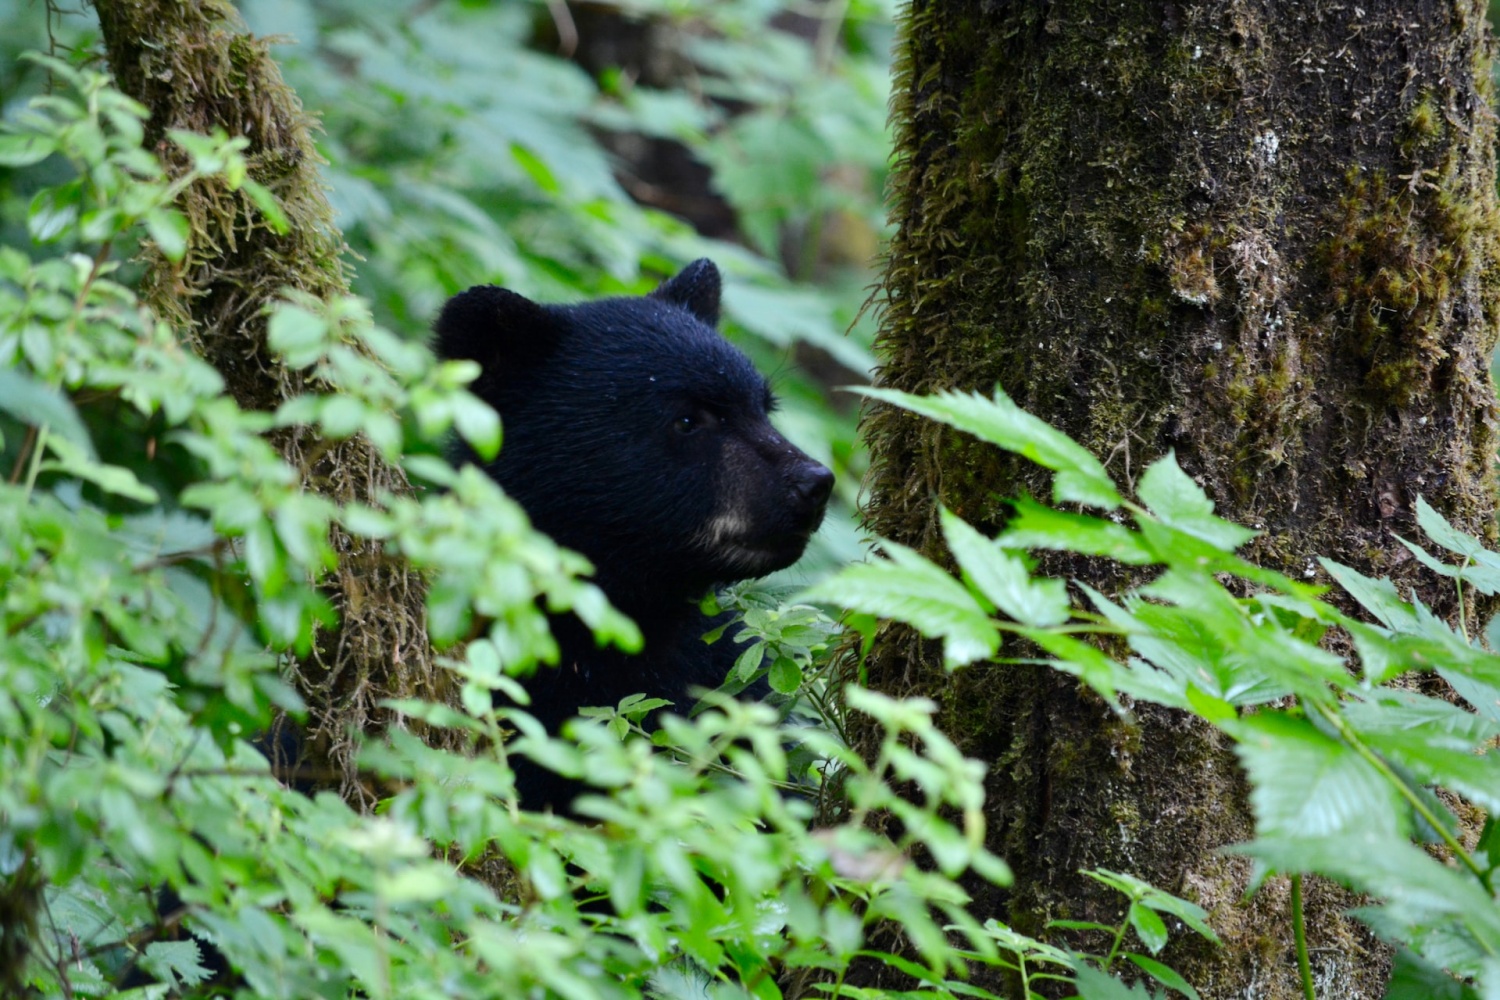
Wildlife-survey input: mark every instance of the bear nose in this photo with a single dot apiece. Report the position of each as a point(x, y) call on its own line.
point(812, 482)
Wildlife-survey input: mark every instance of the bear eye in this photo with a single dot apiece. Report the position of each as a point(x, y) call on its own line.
point(695, 421)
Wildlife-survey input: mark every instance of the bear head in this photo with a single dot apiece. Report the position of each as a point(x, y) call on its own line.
point(635, 434)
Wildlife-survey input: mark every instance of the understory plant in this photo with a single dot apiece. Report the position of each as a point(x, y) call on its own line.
point(160, 562)
point(1353, 771)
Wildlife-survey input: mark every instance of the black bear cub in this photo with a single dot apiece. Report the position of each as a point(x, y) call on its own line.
point(638, 436)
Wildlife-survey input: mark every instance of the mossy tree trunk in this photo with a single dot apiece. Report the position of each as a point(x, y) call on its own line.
point(1261, 235)
point(196, 67)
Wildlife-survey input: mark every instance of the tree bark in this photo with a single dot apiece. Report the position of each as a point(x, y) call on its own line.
point(196, 68)
point(1261, 235)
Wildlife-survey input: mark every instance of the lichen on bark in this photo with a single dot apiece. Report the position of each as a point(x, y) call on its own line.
point(1263, 237)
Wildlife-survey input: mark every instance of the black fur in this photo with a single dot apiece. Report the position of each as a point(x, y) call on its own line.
point(638, 436)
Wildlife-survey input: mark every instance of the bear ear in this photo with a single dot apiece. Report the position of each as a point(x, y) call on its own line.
point(696, 289)
point(487, 323)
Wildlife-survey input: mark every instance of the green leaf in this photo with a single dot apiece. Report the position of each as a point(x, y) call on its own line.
point(748, 662)
point(1487, 851)
point(341, 416)
point(1003, 579)
point(54, 211)
point(1179, 502)
point(1480, 568)
point(1095, 985)
point(1438, 742)
point(1197, 631)
point(785, 675)
point(1143, 892)
point(165, 532)
point(477, 423)
point(35, 403)
point(180, 960)
point(1148, 927)
point(1414, 889)
point(1308, 784)
point(1037, 527)
point(783, 316)
point(1163, 974)
point(22, 150)
point(536, 168)
point(298, 335)
point(1087, 662)
point(1378, 597)
point(1413, 978)
point(909, 588)
point(1081, 925)
point(1080, 478)
point(268, 205)
point(1478, 691)
point(1444, 534)
point(264, 556)
point(75, 461)
point(169, 228)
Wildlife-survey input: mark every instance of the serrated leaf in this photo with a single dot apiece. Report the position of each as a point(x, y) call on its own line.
point(1377, 596)
point(1002, 577)
point(1480, 569)
point(1196, 631)
point(1308, 784)
point(1086, 662)
point(1436, 741)
point(1080, 477)
point(911, 589)
point(1035, 526)
point(1415, 890)
point(179, 960)
point(1444, 534)
point(1095, 985)
point(1150, 896)
point(1179, 502)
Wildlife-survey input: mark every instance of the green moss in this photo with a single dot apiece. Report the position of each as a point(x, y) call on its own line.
point(1423, 129)
point(1393, 257)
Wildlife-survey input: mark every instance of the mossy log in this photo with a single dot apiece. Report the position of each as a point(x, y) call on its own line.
point(1261, 236)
